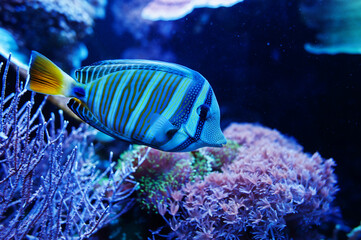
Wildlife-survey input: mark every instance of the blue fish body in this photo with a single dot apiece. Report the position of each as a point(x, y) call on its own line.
point(162, 105)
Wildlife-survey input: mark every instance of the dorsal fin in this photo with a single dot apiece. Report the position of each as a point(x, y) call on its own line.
point(83, 112)
point(91, 73)
point(99, 69)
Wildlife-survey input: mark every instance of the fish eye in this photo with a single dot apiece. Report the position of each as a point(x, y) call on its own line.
point(203, 111)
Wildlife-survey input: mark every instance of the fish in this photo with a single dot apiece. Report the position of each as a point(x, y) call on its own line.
point(162, 105)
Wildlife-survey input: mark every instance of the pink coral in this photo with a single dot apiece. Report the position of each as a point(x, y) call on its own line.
point(162, 174)
point(250, 134)
point(270, 185)
point(258, 186)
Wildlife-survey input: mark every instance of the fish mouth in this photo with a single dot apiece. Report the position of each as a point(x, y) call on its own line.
point(217, 145)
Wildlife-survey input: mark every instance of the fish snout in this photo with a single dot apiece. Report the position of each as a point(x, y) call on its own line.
point(221, 141)
point(216, 139)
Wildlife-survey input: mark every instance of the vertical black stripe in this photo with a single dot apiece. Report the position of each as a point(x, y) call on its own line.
point(183, 111)
point(199, 128)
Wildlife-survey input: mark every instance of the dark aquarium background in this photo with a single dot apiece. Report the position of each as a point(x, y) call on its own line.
point(253, 54)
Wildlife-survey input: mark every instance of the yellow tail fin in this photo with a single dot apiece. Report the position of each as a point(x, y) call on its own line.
point(47, 78)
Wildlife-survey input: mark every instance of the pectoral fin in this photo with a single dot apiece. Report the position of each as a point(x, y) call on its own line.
point(162, 129)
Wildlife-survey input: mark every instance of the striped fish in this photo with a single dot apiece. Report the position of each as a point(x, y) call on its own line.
point(162, 105)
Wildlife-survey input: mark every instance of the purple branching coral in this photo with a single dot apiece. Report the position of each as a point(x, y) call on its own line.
point(50, 187)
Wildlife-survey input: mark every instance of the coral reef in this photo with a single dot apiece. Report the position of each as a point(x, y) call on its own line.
point(55, 28)
point(269, 186)
point(163, 173)
point(337, 26)
point(259, 187)
point(49, 183)
point(176, 9)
